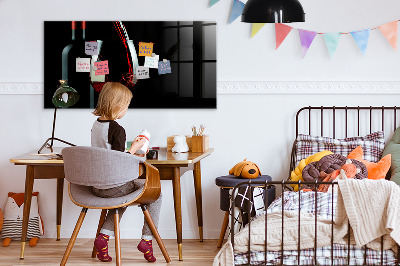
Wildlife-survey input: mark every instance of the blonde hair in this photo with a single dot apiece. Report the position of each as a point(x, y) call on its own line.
point(112, 99)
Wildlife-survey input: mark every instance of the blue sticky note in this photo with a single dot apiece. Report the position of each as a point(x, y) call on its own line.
point(164, 67)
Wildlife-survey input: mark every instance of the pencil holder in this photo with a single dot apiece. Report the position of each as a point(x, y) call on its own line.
point(200, 143)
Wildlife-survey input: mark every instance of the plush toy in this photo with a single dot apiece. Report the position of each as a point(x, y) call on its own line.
point(180, 144)
point(13, 215)
point(1, 219)
point(296, 174)
point(245, 169)
point(375, 170)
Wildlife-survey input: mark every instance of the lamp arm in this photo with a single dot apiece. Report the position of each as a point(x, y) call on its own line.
point(54, 126)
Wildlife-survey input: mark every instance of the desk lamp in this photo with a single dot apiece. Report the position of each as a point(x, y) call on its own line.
point(273, 11)
point(64, 97)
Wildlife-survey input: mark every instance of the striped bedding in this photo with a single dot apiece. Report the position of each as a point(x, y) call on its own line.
point(322, 207)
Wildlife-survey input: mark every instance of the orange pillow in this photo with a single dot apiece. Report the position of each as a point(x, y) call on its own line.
point(375, 170)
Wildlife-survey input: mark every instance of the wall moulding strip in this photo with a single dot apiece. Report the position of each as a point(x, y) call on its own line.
point(260, 87)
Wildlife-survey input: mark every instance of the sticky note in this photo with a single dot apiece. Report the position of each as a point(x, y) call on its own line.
point(142, 72)
point(151, 62)
point(101, 68)
point(145, 48)
point(91, 48)
point(164, 67)
point(83, 65)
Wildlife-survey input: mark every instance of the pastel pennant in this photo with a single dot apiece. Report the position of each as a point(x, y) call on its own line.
point(281, 31)
point(332, 41)
point(256, 27)
point(361, 37)
point(213, 2)
point(306, 39)
point(237, 9)
point(389, 30)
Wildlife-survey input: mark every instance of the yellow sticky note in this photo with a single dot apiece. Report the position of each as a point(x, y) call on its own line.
point(145, 48)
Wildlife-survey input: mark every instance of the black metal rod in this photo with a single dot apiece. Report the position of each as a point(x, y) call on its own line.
point(334, 121)
point(54, 127)
point(283, 210)
point(298, 226)
point(315, 222)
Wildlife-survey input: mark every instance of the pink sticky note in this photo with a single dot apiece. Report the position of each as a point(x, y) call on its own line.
point(101, 68)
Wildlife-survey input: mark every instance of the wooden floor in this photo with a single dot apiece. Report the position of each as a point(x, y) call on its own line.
point(50, 252)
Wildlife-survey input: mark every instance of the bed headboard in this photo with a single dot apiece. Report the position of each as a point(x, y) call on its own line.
point(344, 121)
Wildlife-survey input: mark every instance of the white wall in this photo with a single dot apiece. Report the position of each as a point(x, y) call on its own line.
point(258, 127)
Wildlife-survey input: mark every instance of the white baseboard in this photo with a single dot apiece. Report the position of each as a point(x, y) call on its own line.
point(260, 87)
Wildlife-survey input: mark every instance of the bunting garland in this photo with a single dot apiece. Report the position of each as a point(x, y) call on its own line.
point(389, 30)
point(256, 27)
point(332, 41)
point(237, 8)
point(361, 37)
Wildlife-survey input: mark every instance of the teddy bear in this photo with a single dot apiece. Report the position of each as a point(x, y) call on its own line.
point(245, 169)
point(180, 144)
point(13, 215)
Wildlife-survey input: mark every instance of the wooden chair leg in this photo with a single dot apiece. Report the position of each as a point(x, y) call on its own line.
point(101, 222)
point(73, 237)
point(223, 229)
point(154, 230)
point(117, 238)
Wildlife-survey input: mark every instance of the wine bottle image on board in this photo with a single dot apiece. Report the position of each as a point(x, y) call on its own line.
point(76, 65)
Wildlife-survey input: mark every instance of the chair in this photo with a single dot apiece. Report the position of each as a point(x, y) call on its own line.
point(85, 167)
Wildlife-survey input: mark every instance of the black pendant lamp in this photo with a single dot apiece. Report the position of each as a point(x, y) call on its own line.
point(273, 11)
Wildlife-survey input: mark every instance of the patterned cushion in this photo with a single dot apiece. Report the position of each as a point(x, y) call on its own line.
point(372, 144)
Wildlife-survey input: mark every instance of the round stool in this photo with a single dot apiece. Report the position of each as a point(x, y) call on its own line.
point(228, 182)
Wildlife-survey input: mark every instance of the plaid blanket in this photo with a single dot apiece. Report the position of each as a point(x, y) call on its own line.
point(322, 204)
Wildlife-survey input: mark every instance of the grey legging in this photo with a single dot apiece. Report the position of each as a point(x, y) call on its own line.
point(154, 208)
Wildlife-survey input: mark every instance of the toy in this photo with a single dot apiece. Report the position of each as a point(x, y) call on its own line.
point(180, 144)
point(13, 215)
point(296, 174)
point(144, 134)
point(1, 219)
point(375, 170)
point(245, 169)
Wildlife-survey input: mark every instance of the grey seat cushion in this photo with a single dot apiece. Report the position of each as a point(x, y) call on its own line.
point(83, 196)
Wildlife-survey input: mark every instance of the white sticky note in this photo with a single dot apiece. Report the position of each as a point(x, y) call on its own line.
point(91, 48)
point(151, 62)
point(83, 65)
point(142, 72)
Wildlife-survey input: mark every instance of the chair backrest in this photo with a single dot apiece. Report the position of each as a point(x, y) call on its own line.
point(92, 166)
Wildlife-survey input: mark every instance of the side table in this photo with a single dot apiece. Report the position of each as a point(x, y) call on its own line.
point(228, 182)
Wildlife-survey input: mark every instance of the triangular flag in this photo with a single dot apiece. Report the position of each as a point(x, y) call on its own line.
point(332, 41)
point(306, 39)
point(255, 28)
point(237, 9)
point(213, 2)
point(281, 31)
point(361, 37)
point(390, 32)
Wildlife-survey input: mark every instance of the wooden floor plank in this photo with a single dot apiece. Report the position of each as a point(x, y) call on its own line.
point(49, 252)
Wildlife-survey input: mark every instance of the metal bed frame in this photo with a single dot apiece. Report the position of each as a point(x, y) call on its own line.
point(283, 184)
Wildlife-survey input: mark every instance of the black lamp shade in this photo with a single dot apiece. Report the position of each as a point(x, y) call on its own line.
point(273, 11)
point(65, 96)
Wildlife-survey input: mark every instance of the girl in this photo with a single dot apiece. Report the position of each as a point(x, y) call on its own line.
point(112, 104)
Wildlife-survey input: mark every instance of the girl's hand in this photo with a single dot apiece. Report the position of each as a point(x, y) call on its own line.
point(142, 155)
point(137, 144)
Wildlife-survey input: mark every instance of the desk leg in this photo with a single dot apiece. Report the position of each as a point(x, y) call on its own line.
point(27, 206)
point(60, 190)
point(199, 204)
point(176, 182)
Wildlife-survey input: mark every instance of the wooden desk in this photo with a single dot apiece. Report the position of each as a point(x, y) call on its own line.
point(171, 167)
